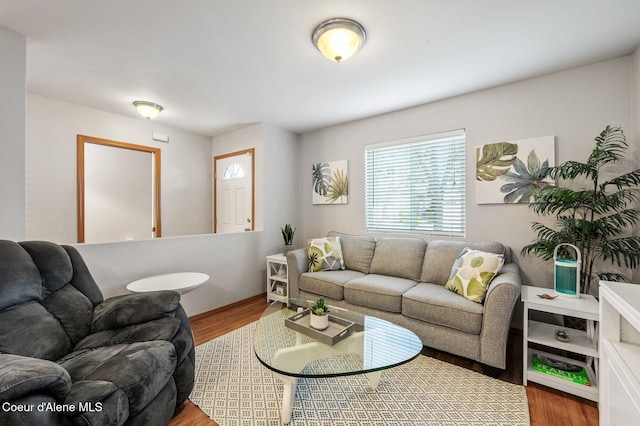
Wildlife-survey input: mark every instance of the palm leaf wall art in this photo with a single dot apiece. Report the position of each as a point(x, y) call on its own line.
point(321, 178)
point(513, 172)
point(493, 160)
point(331, 182)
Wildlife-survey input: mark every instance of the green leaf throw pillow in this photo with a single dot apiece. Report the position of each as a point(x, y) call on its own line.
point(325, 254)
point(472, 273)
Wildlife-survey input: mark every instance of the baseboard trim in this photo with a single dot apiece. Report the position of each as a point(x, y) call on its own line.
point(227, 307)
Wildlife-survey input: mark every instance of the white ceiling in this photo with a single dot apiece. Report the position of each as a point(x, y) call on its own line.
point(218, 65)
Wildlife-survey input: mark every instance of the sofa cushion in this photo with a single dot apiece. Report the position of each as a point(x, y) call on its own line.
point(327, 283)
point(399, 257)
point(86, 394)
point(23, 375)
point(160, 329)
point(128, 309)
point(377, 292)
point(30, 330)
point(357, 250)
point(440, 256)
point(53, 263)
point(472, 272)
point(21, 281)
point(435, 304)
point(141, 370)
point(77, 321)
point(324, 254)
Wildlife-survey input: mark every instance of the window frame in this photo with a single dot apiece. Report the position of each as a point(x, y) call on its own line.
point(447, 216)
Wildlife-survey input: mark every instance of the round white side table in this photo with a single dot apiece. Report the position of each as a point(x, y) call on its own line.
point(182, 282)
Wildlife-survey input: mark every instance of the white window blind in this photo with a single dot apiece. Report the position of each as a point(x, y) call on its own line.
point(417, 185)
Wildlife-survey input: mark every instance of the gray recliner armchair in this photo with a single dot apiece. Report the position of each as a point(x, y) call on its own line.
point(68, 356)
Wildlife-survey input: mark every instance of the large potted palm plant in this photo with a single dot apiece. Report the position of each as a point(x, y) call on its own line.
point(598, 218)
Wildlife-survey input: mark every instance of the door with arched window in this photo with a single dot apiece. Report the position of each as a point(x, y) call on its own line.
point(233, 192)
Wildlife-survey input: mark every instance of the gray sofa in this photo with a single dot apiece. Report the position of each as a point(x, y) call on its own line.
point(402, 280)
point(68, 356)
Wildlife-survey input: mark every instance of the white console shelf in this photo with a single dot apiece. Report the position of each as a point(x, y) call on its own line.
point(277, 278)
point(541, 333)
point(620, 353)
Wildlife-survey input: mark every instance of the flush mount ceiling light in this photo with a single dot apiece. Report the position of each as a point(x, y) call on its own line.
point(339, 38)
point(146, 109)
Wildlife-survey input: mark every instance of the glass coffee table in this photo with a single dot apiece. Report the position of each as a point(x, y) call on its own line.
point(369, 346)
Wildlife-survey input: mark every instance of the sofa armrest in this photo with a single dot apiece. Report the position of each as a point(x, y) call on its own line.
point(22, 376)
point(297, 263)
point(129, 309)
point(499, 304)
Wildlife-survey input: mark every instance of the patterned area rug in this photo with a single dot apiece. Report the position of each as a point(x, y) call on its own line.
point(233, 388)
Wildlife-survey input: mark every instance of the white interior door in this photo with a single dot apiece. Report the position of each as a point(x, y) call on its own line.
point(234, 192)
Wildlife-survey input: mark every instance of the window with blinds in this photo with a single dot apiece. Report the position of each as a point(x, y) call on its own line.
point(417, 185)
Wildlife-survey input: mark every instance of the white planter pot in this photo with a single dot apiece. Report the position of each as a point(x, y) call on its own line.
point(319, 322)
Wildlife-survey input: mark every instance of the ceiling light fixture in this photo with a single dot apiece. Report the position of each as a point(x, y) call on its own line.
point(146, 109)
point(339, 38)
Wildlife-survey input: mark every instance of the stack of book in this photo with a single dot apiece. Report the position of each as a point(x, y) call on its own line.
point(561, 369)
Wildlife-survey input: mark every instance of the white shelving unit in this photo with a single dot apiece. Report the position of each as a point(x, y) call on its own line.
point(277, 278)
point(620, 353)
point(582, 342)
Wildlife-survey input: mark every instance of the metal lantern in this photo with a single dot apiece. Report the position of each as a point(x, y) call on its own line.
point(566, 279)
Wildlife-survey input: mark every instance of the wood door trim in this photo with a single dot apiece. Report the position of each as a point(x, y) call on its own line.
point(81, 140)
point(250, 151)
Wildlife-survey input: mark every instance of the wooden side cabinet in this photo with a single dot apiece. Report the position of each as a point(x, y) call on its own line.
point(543, 335)
point(277, 278)
point(620, 353)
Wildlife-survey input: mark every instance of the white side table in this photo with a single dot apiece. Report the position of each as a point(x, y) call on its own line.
point(277, 278)
point(182, 282)
point(582, 342)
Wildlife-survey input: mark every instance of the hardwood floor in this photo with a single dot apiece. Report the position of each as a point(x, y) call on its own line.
point(547, 407)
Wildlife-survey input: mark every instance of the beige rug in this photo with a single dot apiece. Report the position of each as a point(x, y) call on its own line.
point(233, 388)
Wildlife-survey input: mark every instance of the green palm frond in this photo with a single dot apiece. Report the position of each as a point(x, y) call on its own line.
point(627, 180)
point(611, 146)
point(339, 186)
point(573, 169)
point(622, 251)
point(557, 200)
point(596, 220)
point(614, 201)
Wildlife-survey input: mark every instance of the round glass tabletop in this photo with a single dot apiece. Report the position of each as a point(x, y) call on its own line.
point(286, 344)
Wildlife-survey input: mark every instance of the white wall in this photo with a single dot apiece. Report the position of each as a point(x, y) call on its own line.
point(118, 194)
point(574, 106)
point(281, 182)
point(51, 130)
point(13, 50)
point(235, 262)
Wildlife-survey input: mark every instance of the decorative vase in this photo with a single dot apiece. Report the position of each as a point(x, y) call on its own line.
point(286, 248)
point(319, 322)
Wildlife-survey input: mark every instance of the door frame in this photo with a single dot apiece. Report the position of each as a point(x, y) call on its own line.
point(81, 140)
point(250, 151)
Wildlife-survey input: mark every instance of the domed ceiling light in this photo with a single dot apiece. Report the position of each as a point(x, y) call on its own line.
point(339, 38)
point(146, 109)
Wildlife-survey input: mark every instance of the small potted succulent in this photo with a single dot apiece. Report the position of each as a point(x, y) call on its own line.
point(287, 235)
point(319, 318)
